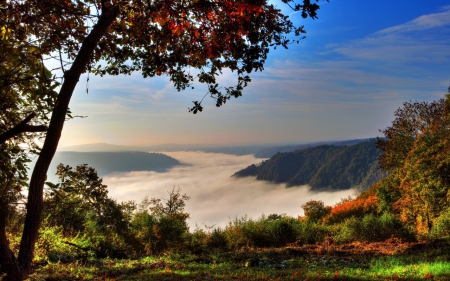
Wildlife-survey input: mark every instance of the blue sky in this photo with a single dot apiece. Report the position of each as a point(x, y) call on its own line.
point(360, 61)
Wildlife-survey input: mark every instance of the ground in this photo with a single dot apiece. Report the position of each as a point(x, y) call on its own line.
point(389, 260)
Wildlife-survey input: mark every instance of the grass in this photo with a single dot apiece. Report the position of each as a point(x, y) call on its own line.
point(411, 261)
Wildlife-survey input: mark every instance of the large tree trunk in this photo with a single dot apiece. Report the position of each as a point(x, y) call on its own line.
point(35, 193)
point(8, 261)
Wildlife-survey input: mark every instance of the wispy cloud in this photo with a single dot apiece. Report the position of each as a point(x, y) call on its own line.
point(421, 23)
point(215, 196)
point(424, 39)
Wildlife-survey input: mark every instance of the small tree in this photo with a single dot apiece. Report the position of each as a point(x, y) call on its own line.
point(315, 210)
point(79, 203)
point(165, 225)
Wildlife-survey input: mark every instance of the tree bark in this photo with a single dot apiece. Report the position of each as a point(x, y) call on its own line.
point(36, 187)
point(8, 261)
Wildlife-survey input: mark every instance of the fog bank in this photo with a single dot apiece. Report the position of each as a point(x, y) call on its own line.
point(216, 197)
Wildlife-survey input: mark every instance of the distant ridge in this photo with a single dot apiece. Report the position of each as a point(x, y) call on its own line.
point(110, 162)
point(101, 147)
point(104, 147)
point(258, 150)
point(270, 151)
point(324, 167)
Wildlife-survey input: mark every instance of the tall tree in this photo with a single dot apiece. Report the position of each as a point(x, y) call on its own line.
point(154, 37)
point(417, 155)
point(27, 95)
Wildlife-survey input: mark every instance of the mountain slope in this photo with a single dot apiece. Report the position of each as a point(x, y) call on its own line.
point(268, 152)
point(110, 162)
point(322, 167)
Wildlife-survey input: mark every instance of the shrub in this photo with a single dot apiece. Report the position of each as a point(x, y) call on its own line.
point(315, 210)
point(217, 239)
point(51, 246)
point(348, 208)
point(372, 228)
point(441, 226)
point(196, 241)
point(257, 233)
point(311, 233)
point(235, 234)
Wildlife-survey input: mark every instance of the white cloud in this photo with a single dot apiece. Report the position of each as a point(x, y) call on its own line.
point(424, 39)
point(215, 196)
point(421, 23)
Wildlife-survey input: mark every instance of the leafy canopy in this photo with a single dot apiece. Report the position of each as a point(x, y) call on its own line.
point(416, 153)
point(160, 37)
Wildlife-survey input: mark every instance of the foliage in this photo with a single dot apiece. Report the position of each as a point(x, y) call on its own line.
point(315, 210)
point(270, 233)
point(52, 246)
point(372, 228)
point(80, 205)
point(356, 208)
point(322, 167)
point(441, 226)
point(159, 225)
point(416, 153)
point(27, 95)
point(311, 233)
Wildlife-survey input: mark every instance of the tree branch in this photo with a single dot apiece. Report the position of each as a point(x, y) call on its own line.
point(22, 127)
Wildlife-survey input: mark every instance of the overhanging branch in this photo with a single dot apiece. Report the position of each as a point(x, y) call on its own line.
point(22, 127)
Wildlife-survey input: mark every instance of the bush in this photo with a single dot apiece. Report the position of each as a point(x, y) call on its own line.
point(217, 239)
point(311, 233)
point(349, 208)
point(441, 226)
point(235, 234)
point(372, 229)
point(270, 232)
point(51, 246)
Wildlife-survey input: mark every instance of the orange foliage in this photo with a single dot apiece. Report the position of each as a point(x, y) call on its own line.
point(353, 208)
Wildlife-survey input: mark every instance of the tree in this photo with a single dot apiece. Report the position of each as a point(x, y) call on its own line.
point(417, 155)
point(27, 95)
point(79, 203)
point(315, 210)
point(154, 37)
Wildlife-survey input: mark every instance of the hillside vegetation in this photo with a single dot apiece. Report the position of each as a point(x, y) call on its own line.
point(322, 167)
point(109, 162)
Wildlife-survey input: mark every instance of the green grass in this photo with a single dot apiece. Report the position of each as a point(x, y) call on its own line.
point(422, 263)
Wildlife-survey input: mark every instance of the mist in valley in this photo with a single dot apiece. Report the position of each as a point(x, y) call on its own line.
point(216, 197)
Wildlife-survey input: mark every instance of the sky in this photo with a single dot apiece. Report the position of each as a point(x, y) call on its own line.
point(360, 61)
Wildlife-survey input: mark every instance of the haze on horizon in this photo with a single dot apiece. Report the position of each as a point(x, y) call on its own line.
point(360, 61)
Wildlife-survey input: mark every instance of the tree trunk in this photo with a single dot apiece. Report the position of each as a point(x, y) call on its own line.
point(8, 261)
point(36, 187)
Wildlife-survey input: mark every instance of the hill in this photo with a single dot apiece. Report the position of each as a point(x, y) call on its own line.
point(324, 167)
point(104, 147)
point(268, 152)
point(109, 162)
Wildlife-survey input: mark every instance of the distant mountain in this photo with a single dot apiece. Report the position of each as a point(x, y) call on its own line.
point(101, 147)
point(258, 150)
point(109, 162)
point(104, 147)
point(268, 152)
point(324, 167)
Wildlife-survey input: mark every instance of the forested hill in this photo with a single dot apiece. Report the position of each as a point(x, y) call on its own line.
point(109, 162)
point(322, 167)
point(268, 152)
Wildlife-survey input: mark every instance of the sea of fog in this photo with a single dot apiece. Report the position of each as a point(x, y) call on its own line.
point(216, 197)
